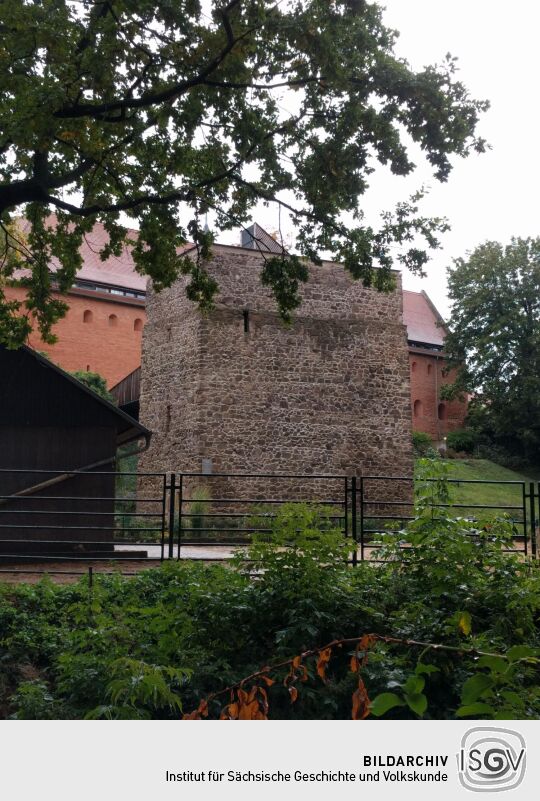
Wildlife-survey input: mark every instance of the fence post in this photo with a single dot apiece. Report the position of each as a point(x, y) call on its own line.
point(533, 517)
point(524, 512)
point(353, 521)
point(172, 498)
point(346, 508)
point(362, 536)
point(180, 507)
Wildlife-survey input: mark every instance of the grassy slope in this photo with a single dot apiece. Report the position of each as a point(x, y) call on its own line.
point(488, 494)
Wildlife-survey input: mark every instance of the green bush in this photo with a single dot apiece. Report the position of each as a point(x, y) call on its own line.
point(462, 440)
point(422, 443)
point(95, 382)
point(156, 644)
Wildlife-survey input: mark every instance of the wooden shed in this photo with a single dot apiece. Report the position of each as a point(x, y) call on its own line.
point(58, 444)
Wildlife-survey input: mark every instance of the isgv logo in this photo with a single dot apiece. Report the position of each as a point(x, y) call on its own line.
point(491, 760)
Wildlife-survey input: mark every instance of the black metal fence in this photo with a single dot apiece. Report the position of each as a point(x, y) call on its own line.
point(71, 516)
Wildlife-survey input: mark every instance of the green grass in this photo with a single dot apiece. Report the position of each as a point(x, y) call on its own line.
point(486, 494)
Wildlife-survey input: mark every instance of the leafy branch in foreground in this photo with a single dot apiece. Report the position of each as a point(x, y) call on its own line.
point(164, 111)
point(248, 698)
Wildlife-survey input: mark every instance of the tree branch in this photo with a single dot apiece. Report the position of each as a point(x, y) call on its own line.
point(101, 110)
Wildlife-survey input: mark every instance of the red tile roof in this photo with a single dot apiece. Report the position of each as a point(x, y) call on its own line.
point(421, 317)
point(116, 270)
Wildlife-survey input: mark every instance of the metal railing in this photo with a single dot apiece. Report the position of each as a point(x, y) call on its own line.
point(53, 516)
point(377, 517)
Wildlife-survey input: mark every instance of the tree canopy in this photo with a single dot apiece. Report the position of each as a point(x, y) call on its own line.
point(95, 382)
point(164, 111)
point(494, 341)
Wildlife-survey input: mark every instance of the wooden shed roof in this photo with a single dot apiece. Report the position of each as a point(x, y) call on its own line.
point(36, 392)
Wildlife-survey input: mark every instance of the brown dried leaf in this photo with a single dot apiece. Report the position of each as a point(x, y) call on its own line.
point(203, 708)
point(360, 702)
point(293, 692)
point(249, 711)
point(296, 661)
point(264, 696)
point(268, 681)
point(324, 658)
point(242, 696)
point(355, 664)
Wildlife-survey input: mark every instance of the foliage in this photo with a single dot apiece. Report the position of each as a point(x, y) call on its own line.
point(198, 508)
point(453, 627)
point(462, 440)
point(494, 342)
point(422, 443)
point(165, 111)
point(95, 382)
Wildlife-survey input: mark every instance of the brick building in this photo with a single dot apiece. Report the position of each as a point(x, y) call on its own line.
point(236, 391)
point(102, 330)
point(425, 335)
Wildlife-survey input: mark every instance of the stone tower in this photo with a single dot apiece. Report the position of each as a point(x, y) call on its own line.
point(237, 391)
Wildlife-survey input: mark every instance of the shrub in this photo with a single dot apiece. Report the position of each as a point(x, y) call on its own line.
point(422, 443)
point(166, 639)
point(462, 440)
point(197, 524)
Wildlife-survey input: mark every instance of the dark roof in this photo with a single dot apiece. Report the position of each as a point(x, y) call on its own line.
point(37, 392)
point(256, 238)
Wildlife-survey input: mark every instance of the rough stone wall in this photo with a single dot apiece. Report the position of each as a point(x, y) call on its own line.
point(328, 395)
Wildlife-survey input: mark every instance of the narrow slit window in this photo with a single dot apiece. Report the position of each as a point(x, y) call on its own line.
point(246, 321)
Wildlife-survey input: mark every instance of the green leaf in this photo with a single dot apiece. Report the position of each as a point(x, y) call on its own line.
point(414, 685)
point(497, 664)
point(474, 687)
point(417, 702)
point(421, 668)
point(518, 652)
point(382, 703)
point(479, 708)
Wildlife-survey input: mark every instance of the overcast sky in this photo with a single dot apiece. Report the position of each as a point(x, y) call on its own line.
point(489, 196)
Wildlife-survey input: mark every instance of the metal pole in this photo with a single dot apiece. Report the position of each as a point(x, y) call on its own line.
point(524, 501)
point(362, 551)
point(163, 516)
point(172, 498)
point(346, 505)
point(533, 519)
point(353, 521)
point(180, 512)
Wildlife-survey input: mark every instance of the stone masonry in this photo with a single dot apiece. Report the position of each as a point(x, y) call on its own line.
point(330, 394)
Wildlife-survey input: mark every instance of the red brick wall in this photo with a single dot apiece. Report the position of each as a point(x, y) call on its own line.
point(429, 413)
point(113, 350)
